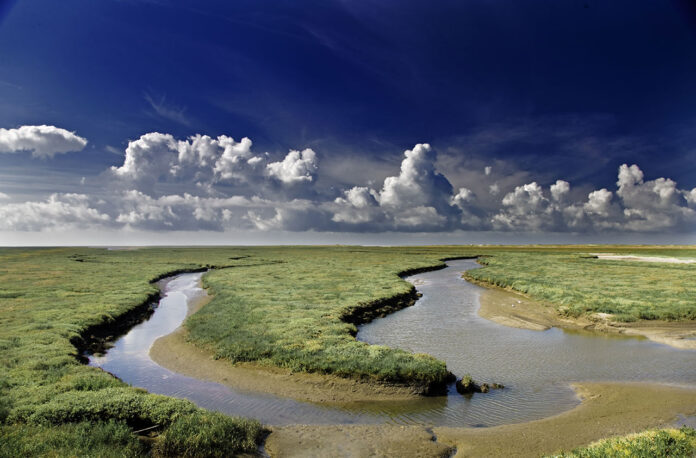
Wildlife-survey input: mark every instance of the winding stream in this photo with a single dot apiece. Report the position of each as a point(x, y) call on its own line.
point(536, 367)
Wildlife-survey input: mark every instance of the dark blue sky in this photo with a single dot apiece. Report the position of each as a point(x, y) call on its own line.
point(565, 89)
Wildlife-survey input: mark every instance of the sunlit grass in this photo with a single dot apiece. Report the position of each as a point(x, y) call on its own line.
point(653, 443)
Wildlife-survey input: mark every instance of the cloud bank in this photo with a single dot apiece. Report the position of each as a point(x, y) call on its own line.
point(220, 184)
point(41, 141)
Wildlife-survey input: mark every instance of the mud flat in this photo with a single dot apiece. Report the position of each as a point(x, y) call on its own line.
point(617, 257)
point(607, 409)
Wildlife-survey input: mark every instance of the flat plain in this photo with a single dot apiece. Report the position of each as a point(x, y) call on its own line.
point(277, 309)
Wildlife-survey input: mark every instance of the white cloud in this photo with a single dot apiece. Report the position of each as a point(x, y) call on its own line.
point(599, 203)
point(4, 196)
point(297, 167)
point(652, 205)
point(42, 141)
point(419, 198)
point(526, 208)
point(358, 205)
point(559, 190)
point(487, 170)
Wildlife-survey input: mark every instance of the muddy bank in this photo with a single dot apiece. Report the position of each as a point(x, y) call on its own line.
point(617, 257)
point(511, 308)
point(97, 338)
point(607, 409)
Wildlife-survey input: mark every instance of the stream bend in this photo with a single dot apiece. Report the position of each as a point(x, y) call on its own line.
point(536, 367)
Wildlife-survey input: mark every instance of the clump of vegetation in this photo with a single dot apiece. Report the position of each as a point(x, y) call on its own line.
point(579, 285)
point(103, 439)
point(652, 443)
point(467, 386)
point(52, 404)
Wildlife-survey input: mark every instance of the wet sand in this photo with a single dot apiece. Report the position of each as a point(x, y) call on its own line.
point(617, 257)
point(608, 409)
point(514, 309)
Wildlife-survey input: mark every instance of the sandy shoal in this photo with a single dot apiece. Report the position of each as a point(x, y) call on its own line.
point(513, 309)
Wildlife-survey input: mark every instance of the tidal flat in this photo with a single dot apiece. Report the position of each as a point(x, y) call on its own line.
point(282, 309)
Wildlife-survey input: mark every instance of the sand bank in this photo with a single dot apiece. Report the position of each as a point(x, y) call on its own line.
point(617, 257)
point(174, 352)
point(607, 409)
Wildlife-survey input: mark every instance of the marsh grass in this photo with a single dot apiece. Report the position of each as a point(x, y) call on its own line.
point(102, 439)
point(579, 285)
point(49, 298)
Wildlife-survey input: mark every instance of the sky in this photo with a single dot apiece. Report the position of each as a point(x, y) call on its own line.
point(375, 122)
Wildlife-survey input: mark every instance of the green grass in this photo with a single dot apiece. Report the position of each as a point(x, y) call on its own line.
point(648, 444)
point(103, 439)
point(280, 306)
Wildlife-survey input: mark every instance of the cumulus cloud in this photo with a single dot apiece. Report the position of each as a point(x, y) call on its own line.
point(527, 209)
point(297, 167)
point(654, 204)
point(206, 161)
point(41, 141)
point(418, 198)
point(59, 211)
point(637, 205)
point(559, 190)
point(358, 205)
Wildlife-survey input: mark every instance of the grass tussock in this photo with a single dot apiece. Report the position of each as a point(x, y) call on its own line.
point(653, 443)
point(579, 285)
